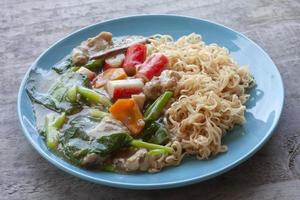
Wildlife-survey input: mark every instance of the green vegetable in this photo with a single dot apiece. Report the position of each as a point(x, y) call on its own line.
point(73, 132)
point(76, 148)
point(74, 68)
point(67, 81)
point(149, 130)
point(150, 146)
point(93, 96)
point(61, 95)
point(114, 142)
point(154, 111)
point(155, 133)
point(109, 168)
point(97, 113)
point(156, 152)
point(84, 122)
point(161, 136)
point(72, 94)
point(43, 99)
point(52, 125)
point(94, 65)
point(63, 65)
point(77, 126)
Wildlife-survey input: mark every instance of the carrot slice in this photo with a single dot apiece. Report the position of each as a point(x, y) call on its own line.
point(128, 112)
point(109, 74)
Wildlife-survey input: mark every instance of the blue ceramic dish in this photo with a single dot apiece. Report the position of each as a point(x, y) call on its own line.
point(263, 109)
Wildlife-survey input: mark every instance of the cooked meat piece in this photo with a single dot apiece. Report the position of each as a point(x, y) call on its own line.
point(107, 126)
point(119, 45)
point(165, 82)
point(101, 46)
point(81, 54)
point(137, 161)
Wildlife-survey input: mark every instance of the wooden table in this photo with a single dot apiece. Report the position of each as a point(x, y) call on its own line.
point(28, 27)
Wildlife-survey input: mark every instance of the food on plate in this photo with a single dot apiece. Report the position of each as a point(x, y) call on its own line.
point(138, 103)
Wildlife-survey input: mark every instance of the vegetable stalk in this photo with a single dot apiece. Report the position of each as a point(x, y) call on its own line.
point(155, 152)
point(150, 146)
point(94, 65)
point(97, 113)
point(93, 96)
point(155, 110)
point(52, 124)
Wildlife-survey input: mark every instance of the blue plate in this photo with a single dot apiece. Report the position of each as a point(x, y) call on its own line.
point(263, 109)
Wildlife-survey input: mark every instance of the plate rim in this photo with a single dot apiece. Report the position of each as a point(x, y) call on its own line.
point(170, 184)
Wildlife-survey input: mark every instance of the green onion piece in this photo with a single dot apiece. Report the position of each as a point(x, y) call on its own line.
point(74, 69)
point(93, 96)
point(59, 121)
point(94, 65)
point(97, 113)
point(52, 124)
point(155, 152)
point(155, 110)
point(150, 146)
point(52, 139)
point(72, 94)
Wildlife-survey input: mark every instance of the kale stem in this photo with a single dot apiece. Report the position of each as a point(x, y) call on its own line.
point(155, 110)
point(155, 152)
point(93, 96)
point(98, 113)
point(150, 146)
point(52, 124)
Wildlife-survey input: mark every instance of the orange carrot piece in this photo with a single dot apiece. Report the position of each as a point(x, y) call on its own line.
point(109, 74)
point(128, 112)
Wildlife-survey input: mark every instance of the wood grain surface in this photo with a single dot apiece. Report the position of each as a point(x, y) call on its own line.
point(28, 27)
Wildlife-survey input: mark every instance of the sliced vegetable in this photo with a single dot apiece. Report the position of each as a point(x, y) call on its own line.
point(155, 152)
point(52, 125)
point(153, 66)
point(74, 68)
point(84, 71)
point(94, 65)
point(58, 96)
point(135, 55)
point(110, 74)
point(128, 112)
point(114, 142)
point(161, 136)
point(77, 128)
point(155, 133)
point(93, 96)
point(72, 94)
point(77, 149)
point(95, 152)
point(124, 88)
point(150, 146)
point(114, 61)
point(154, 111)
point(63, 65)
point(97, 113)
point(149, 131)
